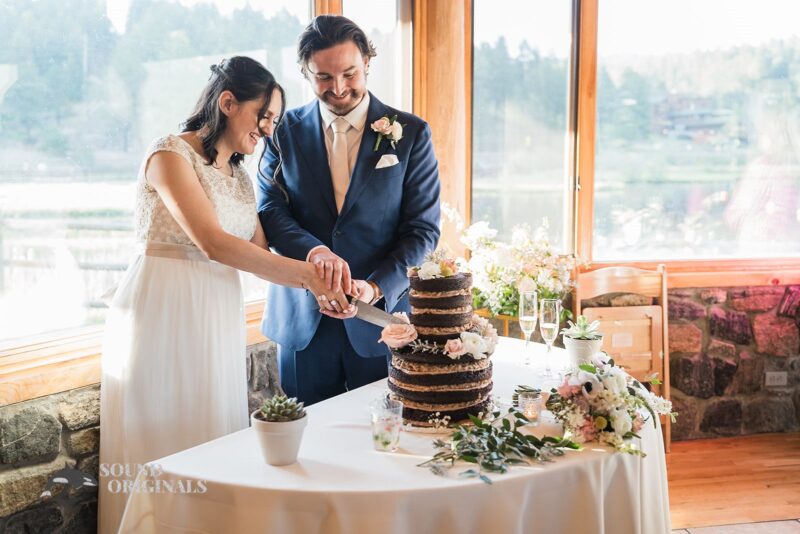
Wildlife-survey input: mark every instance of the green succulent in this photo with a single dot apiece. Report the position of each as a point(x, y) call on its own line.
point(583, 329)
point(280, 409)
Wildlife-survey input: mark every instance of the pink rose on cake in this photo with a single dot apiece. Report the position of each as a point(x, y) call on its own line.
point(398, 335)
point(454, 348)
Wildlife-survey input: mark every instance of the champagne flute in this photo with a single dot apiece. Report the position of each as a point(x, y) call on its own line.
point(528, 308)
point(549, 318)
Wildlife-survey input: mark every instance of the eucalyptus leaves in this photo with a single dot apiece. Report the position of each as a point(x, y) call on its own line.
point(493, 445)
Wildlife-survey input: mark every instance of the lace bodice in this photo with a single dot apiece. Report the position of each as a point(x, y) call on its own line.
point(232, 197)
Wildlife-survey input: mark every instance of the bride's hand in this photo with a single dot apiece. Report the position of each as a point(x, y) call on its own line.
point(331, 303)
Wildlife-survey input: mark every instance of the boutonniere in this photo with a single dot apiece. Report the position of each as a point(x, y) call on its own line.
point(389, 129)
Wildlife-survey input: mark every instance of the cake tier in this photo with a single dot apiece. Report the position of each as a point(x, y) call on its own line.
point(436, 285)
point(422, 415)
point(441, 318)
point(452, 373)
point(429, 357)
point(445, 300)
point(437, 397)
point(435, 354)
point(435, 389)
point(440, 335)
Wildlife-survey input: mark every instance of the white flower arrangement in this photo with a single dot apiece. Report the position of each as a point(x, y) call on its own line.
point(601, 402)
point(500, 271)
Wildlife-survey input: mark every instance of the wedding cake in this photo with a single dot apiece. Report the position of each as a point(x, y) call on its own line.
point(440, 367)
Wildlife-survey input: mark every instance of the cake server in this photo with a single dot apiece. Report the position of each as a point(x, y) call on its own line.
point(374, 315)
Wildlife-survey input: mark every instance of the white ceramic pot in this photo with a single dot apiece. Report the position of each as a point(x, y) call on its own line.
point(279, 442)
point(581, 350)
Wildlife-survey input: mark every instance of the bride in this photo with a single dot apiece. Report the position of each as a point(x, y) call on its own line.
point(173, 365)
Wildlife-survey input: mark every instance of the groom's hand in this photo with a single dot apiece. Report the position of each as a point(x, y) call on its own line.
point(364, 291)
point(333, 269)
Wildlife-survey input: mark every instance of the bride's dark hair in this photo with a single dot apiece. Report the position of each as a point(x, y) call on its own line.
point(248, 80)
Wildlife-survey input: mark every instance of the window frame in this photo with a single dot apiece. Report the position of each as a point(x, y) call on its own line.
point(681, 272)
point(58, 361)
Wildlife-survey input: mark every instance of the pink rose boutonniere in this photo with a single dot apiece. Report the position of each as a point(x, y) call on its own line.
point(389, 129)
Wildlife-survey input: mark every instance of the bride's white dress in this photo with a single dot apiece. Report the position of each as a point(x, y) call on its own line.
point(173, 366)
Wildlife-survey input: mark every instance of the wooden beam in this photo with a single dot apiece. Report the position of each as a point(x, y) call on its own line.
point(53, 366)
point(586, 121)
point(327, 7)
point(442, 96)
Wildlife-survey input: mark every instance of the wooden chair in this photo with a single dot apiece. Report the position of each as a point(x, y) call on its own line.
point(635, 336)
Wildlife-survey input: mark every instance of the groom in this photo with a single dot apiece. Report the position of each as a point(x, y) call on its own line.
point(361, 214)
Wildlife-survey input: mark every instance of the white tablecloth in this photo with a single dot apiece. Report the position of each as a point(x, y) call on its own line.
point(341, 485)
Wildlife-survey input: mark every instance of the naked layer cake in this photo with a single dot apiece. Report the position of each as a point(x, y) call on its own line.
point(444, 375)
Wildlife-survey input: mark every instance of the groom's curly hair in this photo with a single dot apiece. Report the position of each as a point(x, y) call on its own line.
point(326, 31)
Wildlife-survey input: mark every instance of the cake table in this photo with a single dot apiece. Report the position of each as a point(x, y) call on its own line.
point(341, 485)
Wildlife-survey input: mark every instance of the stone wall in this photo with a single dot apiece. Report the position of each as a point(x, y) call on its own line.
point(722, 342)
point(41, 436)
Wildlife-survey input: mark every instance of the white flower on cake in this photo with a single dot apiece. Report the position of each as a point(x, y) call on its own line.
point(429, 270)
point(474, 344)
point(486, 331)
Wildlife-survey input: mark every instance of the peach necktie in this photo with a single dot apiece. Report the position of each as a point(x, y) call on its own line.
point(340, 165)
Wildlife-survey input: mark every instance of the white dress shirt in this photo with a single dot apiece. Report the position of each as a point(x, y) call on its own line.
point(357, 119)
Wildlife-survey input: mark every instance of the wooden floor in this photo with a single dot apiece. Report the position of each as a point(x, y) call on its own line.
point(734, 480)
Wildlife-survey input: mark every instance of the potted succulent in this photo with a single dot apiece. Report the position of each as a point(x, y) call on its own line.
point(279, 425)
point(582, 340)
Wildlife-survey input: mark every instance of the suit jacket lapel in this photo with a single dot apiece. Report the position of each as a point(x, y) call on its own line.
point(311, 141)
point(367, 157)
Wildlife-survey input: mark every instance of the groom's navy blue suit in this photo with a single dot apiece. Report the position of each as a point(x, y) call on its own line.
point(389, 221)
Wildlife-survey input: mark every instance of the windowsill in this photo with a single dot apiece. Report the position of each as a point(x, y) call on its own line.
point(53, 366)
point(720, 273)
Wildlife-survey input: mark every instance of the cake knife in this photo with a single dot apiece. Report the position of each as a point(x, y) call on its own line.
point(373, 315)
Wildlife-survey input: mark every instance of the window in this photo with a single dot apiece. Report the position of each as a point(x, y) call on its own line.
point(387, 23)
point(697, 137)
point(84, 87)
point(519, 123)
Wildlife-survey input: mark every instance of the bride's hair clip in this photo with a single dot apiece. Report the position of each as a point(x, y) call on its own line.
point(219, 70)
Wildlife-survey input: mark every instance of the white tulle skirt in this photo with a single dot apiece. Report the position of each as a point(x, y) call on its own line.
point(173, 365)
